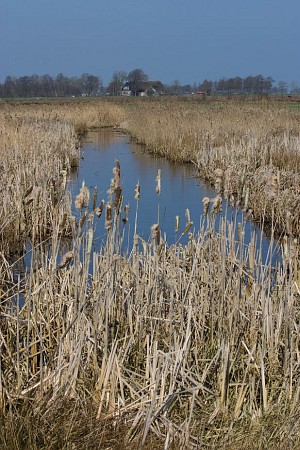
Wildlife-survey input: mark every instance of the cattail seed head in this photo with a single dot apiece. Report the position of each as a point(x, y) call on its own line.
point(95, 197)
point(187, 216)
point(232, 201)
point(79, 201)
point(126, 211)
point(137, 191)
point(66, 259)
point(206, 203)
point(118, 198)
point(219, 174)
point(64, 179)
point(117, 174)
point(98, 211)
point(217, 205)
point(108, 218)
point(83, 198)
point(177, 221)
point(156, 234)
point(158, 181)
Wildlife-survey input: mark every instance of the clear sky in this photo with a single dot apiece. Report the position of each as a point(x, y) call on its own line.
point(185, 40)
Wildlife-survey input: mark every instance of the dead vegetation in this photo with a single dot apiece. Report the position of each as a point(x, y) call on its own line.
point(192, 346)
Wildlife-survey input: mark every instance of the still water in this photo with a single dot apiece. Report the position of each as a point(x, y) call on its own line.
point(180, 188)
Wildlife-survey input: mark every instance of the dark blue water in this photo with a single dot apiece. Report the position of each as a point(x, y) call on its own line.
point(180, 189)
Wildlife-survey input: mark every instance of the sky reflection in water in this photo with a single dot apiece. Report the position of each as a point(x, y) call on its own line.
point(180, 189)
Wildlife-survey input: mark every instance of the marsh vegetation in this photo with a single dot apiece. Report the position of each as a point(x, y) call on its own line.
point(168, 346)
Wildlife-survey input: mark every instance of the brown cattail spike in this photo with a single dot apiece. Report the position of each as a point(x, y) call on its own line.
point(156, 234)
point(66, 259)
point(206, 203)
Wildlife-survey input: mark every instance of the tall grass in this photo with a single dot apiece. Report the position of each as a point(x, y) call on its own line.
point(191, 346)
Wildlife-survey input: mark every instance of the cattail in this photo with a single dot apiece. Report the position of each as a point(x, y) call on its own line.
point(118, 199)
point(117, 170)
point(187, 216)
point(249, 214)
point(111, 189)
point(187, 227)
point(66, 259)
point(79, 201)
point(83, 198)
point(98, 211)
point(126, 211)
point(91, 217)
point(206, 203)
point(158, 182)
point(90, 235)
point(115, 182)
point(217, 205)
point(137, 191)
point(156, 233)
point(232, 201)
point(108, 219)
point(82, 220)
point(64, 179)
point(177, 220)
point(95, 197)
point(219, 173)
point(86, 194)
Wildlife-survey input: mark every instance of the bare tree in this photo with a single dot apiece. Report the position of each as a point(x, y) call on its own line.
point(134, 77)
point(116, 83)
point(90, 84)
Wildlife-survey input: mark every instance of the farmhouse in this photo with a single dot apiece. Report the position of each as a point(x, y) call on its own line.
point(143, 88)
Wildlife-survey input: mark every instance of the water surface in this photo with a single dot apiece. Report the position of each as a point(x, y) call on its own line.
point(180, 188)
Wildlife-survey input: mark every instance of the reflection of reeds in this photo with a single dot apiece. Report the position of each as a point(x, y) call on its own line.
point(186, 346)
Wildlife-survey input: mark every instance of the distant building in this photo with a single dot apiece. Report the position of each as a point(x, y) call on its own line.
point(143, 88)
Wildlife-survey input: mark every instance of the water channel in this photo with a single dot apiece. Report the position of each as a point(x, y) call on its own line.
point(180, 189)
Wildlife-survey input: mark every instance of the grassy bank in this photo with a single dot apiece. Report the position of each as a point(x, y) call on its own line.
point(192, 346)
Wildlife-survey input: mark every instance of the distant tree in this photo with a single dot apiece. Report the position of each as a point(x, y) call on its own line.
point(116, 83)
point(206, 86)
point(222, 85)
point(294, 88)
point(134, 77)
point(9, 89)
point(186, 89)
point(237, 85)
point(282, 87)
point(47, 88)
point(61, 85)
point(175, 87)
point(90, 84)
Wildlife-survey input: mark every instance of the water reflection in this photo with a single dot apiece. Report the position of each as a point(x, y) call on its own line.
point(180, 189)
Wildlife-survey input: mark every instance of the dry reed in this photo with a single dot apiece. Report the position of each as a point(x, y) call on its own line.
point(192, 346)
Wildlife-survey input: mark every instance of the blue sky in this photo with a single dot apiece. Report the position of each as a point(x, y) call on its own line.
point(169, 39)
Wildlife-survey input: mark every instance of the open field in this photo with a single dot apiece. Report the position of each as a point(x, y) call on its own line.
point(170, 347)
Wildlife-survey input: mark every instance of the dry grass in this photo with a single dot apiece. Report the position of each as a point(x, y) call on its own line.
point(192, 346)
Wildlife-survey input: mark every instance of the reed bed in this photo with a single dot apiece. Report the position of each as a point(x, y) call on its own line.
point(183, 346)
point(249, 151)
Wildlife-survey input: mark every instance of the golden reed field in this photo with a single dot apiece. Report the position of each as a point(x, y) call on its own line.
point(170, 347)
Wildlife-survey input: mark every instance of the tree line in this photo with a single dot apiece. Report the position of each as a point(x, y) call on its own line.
point(91, 85)
point(47, 86)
